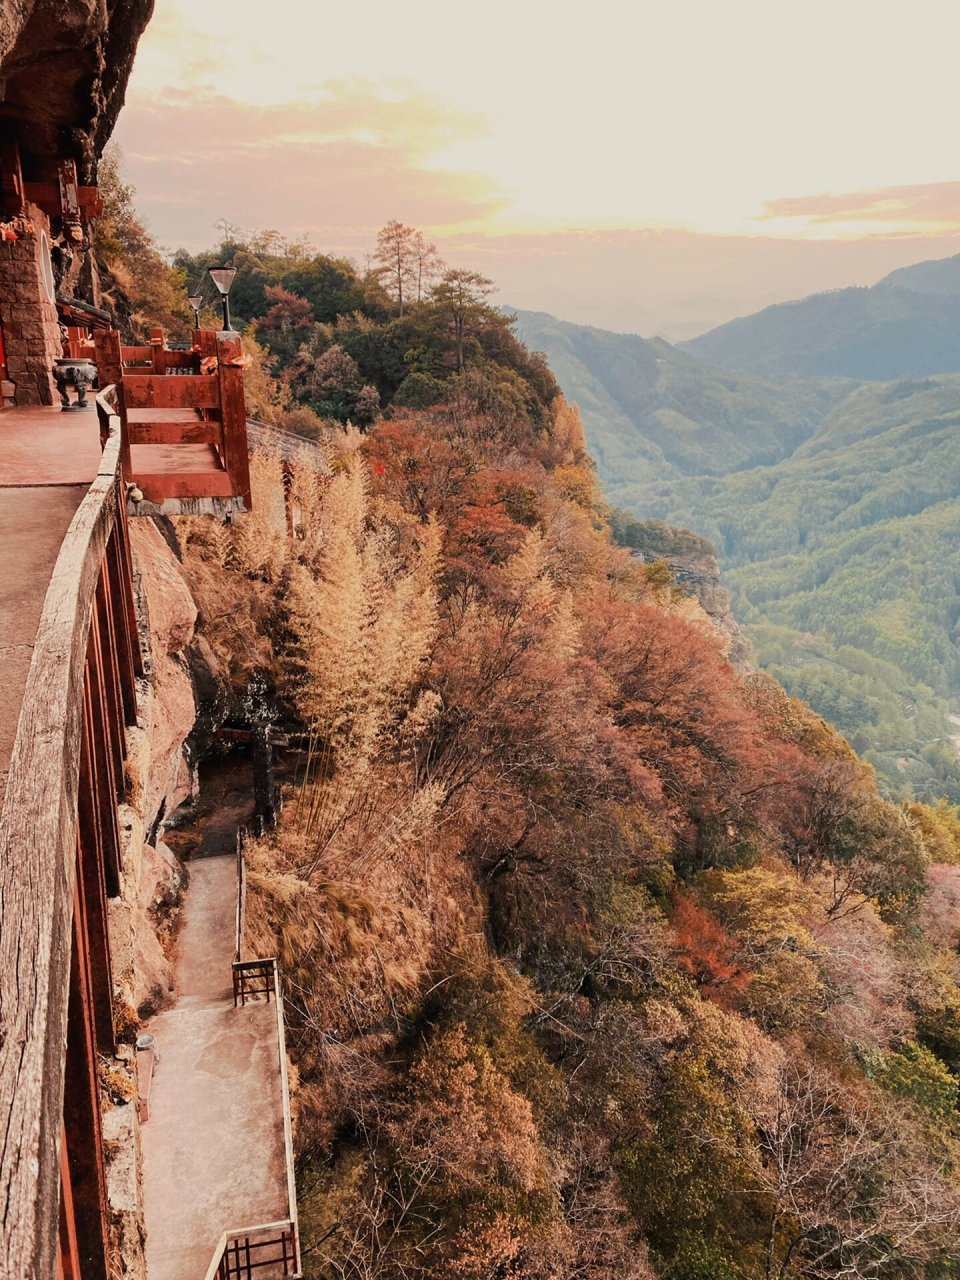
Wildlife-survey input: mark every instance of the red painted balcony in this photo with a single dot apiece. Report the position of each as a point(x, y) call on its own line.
point(182, 415)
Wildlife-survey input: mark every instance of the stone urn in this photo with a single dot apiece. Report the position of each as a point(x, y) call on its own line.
point(79, 373)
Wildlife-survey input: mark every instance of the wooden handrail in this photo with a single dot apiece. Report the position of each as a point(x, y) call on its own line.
point(287, 1124)
point(270, 966)
point(39, 834)
point(241, 895)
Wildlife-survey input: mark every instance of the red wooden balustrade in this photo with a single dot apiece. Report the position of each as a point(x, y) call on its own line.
point(182, 413)
point(60, 861)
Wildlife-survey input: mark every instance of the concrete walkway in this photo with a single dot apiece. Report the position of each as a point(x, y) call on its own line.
point(48, 460)
point(213, 1148)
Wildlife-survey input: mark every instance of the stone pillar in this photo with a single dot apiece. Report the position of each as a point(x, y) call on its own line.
point(31, 332)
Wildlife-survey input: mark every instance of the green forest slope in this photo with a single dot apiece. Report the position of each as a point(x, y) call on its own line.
point(843, 555)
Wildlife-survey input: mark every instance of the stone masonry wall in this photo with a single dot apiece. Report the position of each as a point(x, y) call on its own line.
point(30, 330)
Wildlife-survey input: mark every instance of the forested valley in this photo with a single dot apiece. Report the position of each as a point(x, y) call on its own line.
point(603, 960)
point(833, 508)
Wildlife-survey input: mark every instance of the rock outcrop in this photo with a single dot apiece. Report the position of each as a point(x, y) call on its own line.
point(695, 567)
point(160, 776)
point(64, 67)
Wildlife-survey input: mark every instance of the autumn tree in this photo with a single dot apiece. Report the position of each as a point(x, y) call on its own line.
point(849, 1192)
point(286, 322)
point(428, 263)
point(461, 295)
point(142, 289)
point(400, 260)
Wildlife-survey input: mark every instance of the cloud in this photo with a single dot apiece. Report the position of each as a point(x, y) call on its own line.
point(336, 164)
point(934, 202)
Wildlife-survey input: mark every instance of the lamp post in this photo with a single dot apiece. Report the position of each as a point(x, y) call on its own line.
point(222, 277)
point(195, 300)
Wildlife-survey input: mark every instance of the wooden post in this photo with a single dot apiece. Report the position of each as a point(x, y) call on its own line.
point(90, 856)
point(68, 1263)
point(81, 1109)
point(76, 342)
point(233, 416)
point(157, 350)
point(69, 189)
point(206, 340)
point(110, 367)
point(104, 768)
point(120, 593)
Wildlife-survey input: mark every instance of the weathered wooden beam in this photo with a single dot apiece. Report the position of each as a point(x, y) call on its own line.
point(120, 558)
point(140, 355)
point(47, 196)
point(192, 391)
point(233, 416)
point(106, 638)
point(193, 432)
point(199, 484)
point(90, 855)
point(68, 1267)
point(108, 767)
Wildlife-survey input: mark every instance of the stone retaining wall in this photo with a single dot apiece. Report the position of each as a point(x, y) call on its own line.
point(31, 332)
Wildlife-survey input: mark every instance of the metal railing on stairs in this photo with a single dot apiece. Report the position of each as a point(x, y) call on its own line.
point(270, 1250)
point(244, 1254)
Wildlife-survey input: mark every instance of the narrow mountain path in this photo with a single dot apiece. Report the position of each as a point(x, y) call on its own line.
point(213, 1147)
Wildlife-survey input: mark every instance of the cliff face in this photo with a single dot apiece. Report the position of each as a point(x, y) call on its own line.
point(158, 778)
point(64, 67)
point(698, 573)
point(695, 567)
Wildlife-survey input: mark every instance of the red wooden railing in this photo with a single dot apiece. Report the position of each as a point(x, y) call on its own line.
point(60, 856)
point(182, 413)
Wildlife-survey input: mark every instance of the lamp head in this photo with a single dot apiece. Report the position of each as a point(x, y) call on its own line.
point(222, 277)
point(195, 300)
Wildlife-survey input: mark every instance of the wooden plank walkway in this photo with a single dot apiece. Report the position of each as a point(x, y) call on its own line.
point(214, 1156)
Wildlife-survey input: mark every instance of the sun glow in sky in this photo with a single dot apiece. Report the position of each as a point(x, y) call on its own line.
point(645, 166)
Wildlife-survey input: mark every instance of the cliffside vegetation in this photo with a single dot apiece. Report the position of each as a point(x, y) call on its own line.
point(837, 529)
point(601, 961)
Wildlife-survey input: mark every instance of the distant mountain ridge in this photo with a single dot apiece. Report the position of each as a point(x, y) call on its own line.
point(906, 326)
point(936, 275)
point(654, 412)
point(834, 508)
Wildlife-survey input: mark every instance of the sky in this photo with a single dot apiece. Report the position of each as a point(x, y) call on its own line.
point(653, 168)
